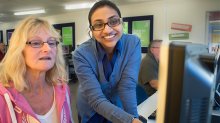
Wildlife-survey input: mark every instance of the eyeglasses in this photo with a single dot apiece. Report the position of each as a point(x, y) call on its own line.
point(112, 22)
point(38, 44)
point(155, 47)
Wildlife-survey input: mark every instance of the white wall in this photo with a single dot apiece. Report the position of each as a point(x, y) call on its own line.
point(79, 17)
point(81, 23)
point(191, 12)
point(165, 12)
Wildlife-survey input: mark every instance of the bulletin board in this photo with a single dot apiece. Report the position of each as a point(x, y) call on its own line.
point(213, 31)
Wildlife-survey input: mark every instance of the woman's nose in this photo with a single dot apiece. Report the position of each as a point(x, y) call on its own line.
point(46, 46)
point(107, 28)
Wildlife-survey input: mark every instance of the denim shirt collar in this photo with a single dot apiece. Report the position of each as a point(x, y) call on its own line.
point(101, 52)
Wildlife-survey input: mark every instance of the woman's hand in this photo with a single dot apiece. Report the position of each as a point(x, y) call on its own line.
point(136, 120)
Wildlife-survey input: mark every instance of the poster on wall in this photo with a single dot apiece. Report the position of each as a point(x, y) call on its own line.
point(142, 30)
point(67, 35)
point(67, 32)
point(125, 27)
point(181, 27)
point(180, 31)
point(142, 26)
point(213, 31)
point(178, 36)
point(214, 37)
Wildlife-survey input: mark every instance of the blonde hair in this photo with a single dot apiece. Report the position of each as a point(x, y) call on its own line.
point(13, 66)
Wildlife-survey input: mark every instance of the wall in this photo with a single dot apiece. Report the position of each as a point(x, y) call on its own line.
point(165, 12)
point(191, 12)
point(155, 8)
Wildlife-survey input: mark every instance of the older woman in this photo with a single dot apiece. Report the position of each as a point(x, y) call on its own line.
point(32, 76)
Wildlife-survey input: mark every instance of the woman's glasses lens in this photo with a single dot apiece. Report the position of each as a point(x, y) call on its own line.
point(111, 23)
point(114, 22)
point(38, 44)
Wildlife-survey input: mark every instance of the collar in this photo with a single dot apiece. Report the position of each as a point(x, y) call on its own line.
point(101, 52)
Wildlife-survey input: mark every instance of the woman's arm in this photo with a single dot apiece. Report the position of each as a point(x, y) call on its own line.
point(128, 82)
point(92, 90)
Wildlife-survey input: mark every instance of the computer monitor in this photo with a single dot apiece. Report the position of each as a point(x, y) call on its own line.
point(187, 82)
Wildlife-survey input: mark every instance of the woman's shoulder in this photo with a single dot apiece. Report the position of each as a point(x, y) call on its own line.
point(6, 90)
point(3, 89)
point(85, 49)
point(130, 43)
point(130, 39)
point(85, 45)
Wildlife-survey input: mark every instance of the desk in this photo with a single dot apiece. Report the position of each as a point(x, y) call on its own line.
point(147, 107)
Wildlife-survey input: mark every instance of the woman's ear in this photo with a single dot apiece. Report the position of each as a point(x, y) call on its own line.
point(89, 32)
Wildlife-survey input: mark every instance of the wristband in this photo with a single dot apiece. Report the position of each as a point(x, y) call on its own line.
point(142, 119)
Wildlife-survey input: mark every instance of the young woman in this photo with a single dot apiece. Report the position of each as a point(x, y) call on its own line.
point(107, 67)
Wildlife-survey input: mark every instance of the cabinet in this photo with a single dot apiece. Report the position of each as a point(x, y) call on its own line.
point(70, 68)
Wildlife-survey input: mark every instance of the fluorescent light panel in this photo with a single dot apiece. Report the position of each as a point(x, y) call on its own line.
point(79, 6)
point(30, 12)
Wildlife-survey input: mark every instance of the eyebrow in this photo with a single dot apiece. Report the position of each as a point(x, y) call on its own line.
point(100, 20)
point(38, 38)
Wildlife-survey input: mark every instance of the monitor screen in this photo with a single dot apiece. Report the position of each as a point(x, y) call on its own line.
point(186, 77)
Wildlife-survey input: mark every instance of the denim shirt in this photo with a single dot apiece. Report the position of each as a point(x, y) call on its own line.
point(115, 98)
point(108, 65)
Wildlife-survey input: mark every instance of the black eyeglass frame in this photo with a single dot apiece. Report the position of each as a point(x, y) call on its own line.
point(120, 20)
point(154, 47)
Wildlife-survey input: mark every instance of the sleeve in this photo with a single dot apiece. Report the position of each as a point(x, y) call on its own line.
point(5, 116)
point(68, 99)
point(92, 90)
point(127, 85)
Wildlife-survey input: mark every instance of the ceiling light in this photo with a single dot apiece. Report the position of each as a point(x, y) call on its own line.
point(79, 6)
point(30, 12)
point(1, 14)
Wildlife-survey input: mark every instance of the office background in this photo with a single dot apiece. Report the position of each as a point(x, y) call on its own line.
point(165, 13)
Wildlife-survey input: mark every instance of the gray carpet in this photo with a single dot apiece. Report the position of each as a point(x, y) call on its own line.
point(73, 90)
